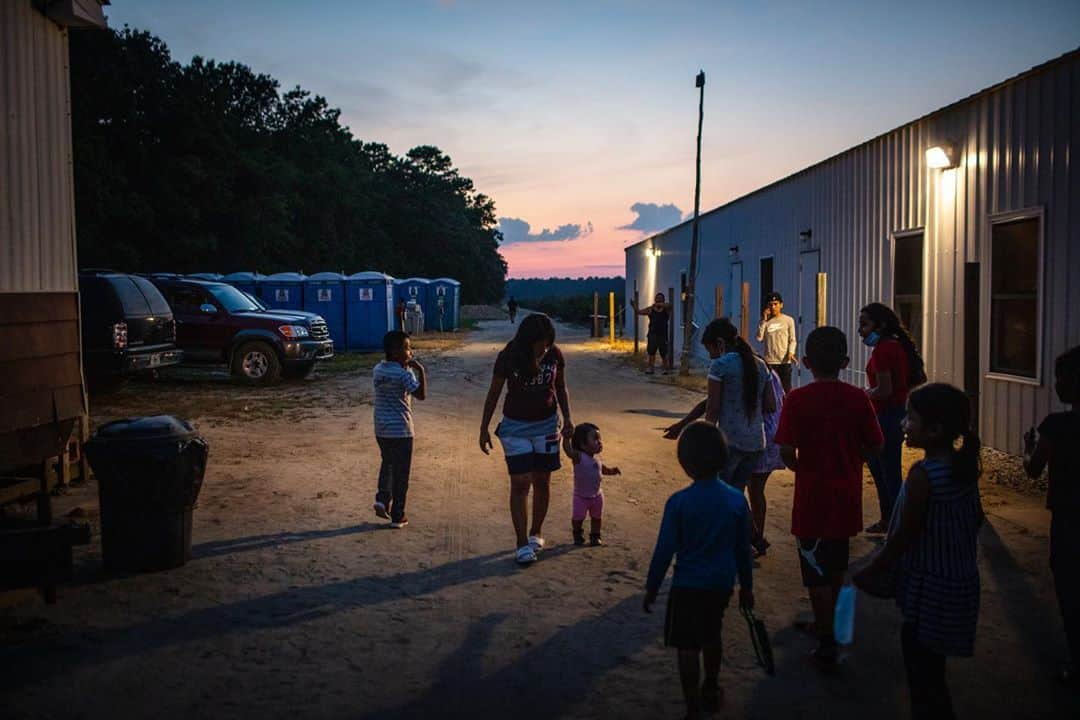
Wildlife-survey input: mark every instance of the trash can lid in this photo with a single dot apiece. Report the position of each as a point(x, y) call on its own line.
point(154, 427)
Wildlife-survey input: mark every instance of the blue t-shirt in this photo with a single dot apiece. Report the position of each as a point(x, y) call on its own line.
point(394, 386)
point(742, 432)
point(706, 527)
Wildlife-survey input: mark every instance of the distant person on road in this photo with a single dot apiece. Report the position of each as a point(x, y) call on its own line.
point(512, 308)
point(894, 368)
point(777, 334)
point(656, 339)
point(933, 540)
point(1057, 445)
point(706, 527)
point(583, 449)
point(532, 368)
point(397, 379)
point(826, 430)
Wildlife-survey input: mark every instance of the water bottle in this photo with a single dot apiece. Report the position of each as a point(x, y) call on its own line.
point(844, 617)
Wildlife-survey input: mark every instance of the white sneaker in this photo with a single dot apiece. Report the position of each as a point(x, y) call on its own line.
point(525, 555)
point(536, 543)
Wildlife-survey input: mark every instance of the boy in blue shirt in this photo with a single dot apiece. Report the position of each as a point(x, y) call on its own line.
point(706, 526)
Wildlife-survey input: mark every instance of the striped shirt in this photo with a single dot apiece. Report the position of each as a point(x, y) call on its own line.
point(394, 386)
point(939, 586)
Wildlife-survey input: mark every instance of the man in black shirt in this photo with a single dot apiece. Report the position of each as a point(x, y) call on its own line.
point(656, 340)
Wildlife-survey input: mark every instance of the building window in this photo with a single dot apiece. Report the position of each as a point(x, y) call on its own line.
point(908, 282)
point(766, 278)
point(1015, 259)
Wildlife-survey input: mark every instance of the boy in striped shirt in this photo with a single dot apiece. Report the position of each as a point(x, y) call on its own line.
point(397, 379)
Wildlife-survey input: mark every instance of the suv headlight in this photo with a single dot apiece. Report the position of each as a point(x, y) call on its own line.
point(293, 331)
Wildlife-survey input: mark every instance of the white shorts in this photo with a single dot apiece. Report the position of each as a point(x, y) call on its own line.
point(530, 454)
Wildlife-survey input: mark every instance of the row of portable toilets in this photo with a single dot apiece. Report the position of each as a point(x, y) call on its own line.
point(359, 308)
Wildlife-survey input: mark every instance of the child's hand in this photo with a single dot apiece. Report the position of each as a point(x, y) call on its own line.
point(1029, 441)
point(746, 598)
point(672, 431)
point(615, 471)
point(485, 441)
point(646, 604)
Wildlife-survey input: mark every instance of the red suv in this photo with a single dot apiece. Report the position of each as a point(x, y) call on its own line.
point(216, 323)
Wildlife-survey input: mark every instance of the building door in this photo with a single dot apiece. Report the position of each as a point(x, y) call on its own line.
point(908, 283)
point(735, 298)
point(971, 338)
point(807, 319)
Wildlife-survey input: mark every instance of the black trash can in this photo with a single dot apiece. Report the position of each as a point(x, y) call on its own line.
point(149, 473)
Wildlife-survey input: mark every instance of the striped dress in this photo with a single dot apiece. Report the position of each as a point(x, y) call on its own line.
point(939, 583)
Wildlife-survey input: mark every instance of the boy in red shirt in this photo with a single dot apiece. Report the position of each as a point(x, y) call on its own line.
point(827, 429)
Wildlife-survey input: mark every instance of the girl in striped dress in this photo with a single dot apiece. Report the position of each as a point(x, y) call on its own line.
point(933, 539)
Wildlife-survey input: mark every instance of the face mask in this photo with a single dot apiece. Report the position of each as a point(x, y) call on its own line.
point(872, 339)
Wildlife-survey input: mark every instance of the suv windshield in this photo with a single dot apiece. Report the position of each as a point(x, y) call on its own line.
point(232, 299)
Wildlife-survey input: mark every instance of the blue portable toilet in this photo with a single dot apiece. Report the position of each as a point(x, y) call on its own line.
point(249, 282)
point(324, 293)
point(444, 296)
point(284, 291)
point(369, 309)
point(414, 288)
point(213, 277)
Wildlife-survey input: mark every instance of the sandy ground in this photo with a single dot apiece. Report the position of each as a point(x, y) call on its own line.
point(299, 603)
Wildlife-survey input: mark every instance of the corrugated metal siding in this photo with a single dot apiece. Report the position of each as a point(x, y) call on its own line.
point(1015, 143)
point(37, 211)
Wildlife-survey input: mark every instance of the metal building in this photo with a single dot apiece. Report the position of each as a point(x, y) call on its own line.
point(966, 221)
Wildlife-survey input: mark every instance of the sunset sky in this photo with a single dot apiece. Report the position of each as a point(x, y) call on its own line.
point(579, 118)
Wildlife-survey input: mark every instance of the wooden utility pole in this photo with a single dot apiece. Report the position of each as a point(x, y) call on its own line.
point(688, 318)
point(635, 307)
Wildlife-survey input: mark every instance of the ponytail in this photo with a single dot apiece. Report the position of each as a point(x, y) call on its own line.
point(966, 464)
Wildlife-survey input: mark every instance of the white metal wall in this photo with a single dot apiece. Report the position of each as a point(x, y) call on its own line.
point(1015, 142)
point(37, 212)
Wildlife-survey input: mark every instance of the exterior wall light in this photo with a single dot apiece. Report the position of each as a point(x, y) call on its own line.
point(653, 252)
point(941, 157)
point(733, 250)
point(806, 234)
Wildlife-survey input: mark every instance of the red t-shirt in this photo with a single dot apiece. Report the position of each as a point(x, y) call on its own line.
point(889, 356)
point(531, 398)
point(829, 423)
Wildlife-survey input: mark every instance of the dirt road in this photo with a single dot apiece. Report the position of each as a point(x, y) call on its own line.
point(300, 603)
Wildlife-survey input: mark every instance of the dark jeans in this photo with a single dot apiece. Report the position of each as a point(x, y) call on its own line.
point(1064, 550)
point(740, 466)
point(926, 678)
point(394, 474)
point(886, 468)
point(783, 371)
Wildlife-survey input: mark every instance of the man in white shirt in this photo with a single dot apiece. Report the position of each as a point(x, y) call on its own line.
point(777, 335)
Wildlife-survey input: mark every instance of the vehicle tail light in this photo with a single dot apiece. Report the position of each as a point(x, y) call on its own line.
point(119, 335)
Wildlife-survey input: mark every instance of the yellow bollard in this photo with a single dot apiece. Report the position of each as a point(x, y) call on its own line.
point(611, 317)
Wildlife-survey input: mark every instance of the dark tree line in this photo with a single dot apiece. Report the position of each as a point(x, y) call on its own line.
point(209, 167)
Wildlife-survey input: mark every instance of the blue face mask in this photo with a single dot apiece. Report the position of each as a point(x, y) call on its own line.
point(872, 339)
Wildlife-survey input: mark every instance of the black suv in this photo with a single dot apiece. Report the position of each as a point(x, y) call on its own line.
point(127, 327)
point(216, 323)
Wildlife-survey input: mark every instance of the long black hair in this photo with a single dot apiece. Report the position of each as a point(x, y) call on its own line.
point(948, 406)
point(724, 329)
point(889, 325)
point(519, 351)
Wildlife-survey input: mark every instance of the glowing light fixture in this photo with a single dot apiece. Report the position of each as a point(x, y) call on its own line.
point(941, 157)
point(653, 252)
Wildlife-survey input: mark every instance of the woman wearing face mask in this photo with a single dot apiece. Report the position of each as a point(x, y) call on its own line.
point(895, 367)
point(532, 368)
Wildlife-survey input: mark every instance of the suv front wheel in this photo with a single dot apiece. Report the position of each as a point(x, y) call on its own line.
point(256, 363)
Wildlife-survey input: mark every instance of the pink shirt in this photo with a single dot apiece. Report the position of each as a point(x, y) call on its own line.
point(587, 475)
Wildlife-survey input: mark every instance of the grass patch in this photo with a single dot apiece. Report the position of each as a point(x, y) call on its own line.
point(349, 362)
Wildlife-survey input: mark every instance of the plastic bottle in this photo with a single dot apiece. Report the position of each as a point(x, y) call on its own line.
point(844, 617)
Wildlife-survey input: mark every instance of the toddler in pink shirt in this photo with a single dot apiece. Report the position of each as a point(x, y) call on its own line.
point(584, 448)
